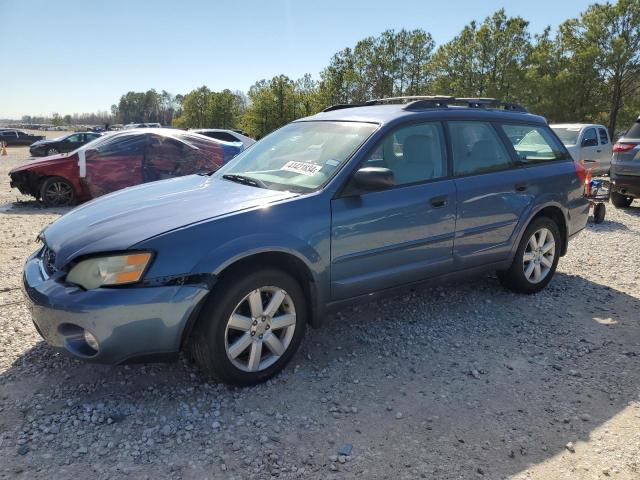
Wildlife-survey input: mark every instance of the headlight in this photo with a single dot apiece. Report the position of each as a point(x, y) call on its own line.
point(112, 270)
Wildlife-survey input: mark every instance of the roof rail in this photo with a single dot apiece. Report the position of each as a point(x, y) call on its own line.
point(340, 106)
point(420, 102)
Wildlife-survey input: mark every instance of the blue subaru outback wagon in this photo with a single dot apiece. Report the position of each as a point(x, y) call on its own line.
point(353, 201)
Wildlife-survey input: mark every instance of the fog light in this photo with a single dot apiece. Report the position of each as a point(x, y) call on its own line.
point(91, 340)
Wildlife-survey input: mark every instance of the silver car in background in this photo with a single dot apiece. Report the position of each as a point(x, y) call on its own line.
point(625, 167)
point(587, 143)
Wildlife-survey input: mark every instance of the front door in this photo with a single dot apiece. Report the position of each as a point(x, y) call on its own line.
point(404, 233)
point(113, 165)
point(492, 194)
point(590, 151)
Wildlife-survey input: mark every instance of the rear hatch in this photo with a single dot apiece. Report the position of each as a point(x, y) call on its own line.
point(626, 152)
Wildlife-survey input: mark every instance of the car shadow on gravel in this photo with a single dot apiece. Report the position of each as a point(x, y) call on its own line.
point(31, 207)
point(453, 381)
point(607, 225)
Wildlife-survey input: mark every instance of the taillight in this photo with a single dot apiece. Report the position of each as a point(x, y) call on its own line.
point(623, 146)
point(584, 176)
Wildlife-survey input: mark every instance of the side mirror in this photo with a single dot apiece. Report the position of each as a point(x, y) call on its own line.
point(374, 178)
point(590, 142)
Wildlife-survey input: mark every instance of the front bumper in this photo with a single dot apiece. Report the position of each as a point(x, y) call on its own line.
point(24, 182)
point(129, 323)
point(626, 185)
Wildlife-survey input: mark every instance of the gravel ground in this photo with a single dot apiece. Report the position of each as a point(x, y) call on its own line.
point(452, 382)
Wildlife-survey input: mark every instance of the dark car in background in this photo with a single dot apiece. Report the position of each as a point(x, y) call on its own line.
point(226, 135)
point(625, 167)
point(339, 206)
point(118, 160)
point(64, 144)
point(13, 137)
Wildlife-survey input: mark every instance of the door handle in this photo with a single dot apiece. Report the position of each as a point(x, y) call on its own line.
point(521, 187)
point(438, 202)
point(598, 151)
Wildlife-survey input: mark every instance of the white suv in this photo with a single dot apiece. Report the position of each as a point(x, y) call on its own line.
point(587, 143)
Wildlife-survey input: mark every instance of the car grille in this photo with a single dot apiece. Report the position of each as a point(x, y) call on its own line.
point(48, 257)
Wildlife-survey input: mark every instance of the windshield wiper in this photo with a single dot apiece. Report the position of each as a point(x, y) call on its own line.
point(253, 182)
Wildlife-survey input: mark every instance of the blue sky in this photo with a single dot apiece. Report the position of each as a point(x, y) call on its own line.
point(80, 56)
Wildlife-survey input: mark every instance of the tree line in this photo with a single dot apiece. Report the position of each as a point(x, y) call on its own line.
point(586, 70)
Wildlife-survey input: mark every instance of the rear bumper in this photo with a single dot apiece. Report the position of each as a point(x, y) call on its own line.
point(128, 323)
point(626, 185)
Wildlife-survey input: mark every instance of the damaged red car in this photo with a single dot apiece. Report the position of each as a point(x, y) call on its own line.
point(119, 160)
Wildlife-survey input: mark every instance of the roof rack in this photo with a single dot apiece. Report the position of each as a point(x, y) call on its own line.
point(420, 102)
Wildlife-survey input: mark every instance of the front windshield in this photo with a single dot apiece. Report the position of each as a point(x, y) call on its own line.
point(300, 156)
point(568, 135)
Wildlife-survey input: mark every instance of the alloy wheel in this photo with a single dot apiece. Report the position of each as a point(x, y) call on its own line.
point(539, 255)
point(58, 194)
point(260, 329)
point(52, 151)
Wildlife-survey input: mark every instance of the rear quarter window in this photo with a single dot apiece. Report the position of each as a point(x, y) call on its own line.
point(534, 144)
point(634, 131)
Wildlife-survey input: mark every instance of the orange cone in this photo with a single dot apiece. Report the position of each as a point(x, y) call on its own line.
point(4, 149)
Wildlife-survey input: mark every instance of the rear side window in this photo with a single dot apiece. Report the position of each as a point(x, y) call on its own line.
point(604, 138)
point(477, 148)
point(533, 144)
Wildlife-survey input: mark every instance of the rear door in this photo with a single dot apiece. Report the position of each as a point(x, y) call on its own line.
point(402, 234)
point(492, 193)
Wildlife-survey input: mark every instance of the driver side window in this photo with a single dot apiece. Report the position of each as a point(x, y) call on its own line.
point(415, 153)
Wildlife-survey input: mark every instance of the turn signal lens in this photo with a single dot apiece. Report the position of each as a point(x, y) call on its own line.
point(108, 271)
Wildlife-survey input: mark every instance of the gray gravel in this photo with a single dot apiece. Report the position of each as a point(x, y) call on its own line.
point(456, 381)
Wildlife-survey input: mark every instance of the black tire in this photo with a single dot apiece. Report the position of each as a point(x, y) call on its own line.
point(57, 192)
point(52, 151)
point(599, 211)
point(209, 339)
point(514, 278)
point(620, 201)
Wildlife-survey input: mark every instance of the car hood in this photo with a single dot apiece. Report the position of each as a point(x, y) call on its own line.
point(43, 161)
point(122, 219)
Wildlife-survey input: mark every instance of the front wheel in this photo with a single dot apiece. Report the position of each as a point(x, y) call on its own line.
point(536, 259)
point(251, 327)
point(620, 201)
point(57, 192)
point(52, 151)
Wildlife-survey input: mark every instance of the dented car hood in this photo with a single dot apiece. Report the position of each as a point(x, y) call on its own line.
point(117, 221)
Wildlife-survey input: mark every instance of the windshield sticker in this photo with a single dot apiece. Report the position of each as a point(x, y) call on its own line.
point(333, 163)
point(303, 168)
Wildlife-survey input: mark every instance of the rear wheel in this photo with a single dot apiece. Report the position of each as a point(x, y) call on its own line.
point(620, 201)
point(251, 327)
point(57, 192)
point(536, 259)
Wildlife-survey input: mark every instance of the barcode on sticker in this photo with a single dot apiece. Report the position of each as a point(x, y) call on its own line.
point(303, 168)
